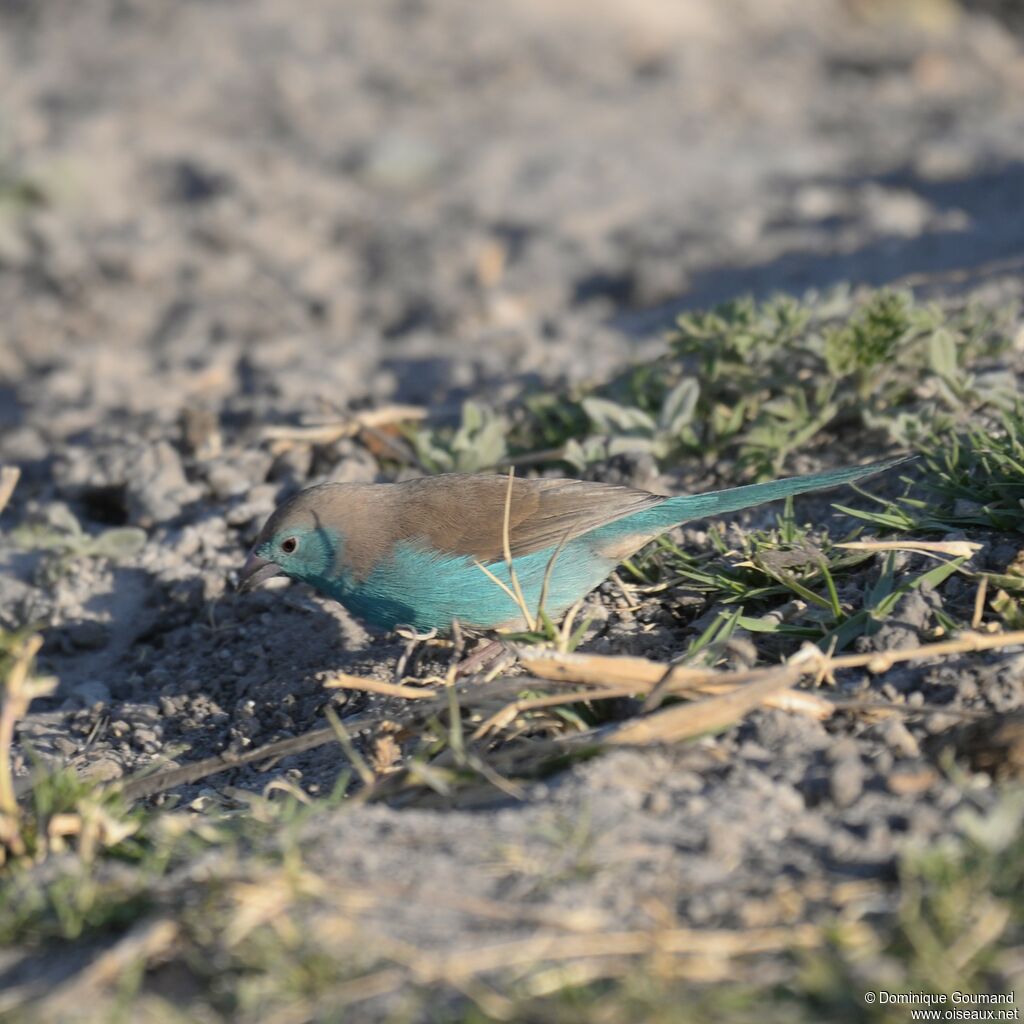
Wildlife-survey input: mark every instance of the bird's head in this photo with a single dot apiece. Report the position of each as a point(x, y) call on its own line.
point(295, 542)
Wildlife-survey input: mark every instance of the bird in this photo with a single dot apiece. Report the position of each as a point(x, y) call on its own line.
point(423, 553)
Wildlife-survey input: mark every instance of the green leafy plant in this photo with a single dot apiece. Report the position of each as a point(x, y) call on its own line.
point(974, 477)
point(477, 443)
point(749, 383)
point(63, 538)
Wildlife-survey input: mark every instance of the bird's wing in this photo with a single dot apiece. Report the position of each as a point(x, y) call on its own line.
point(464, 514)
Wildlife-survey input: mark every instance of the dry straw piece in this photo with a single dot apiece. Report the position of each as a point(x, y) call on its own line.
point(328, 433)
point(9, 477)
point(953, 548)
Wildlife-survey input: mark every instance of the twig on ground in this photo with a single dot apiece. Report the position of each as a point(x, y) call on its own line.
point(364, 771)
point(328, 433)
point(145, 784)
point(343, 681)
point(685, 721)
point(953, 548)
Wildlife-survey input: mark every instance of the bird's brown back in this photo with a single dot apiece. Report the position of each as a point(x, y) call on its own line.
point(458, 514)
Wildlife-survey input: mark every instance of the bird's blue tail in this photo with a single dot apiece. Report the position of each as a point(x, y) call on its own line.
point(715, 503)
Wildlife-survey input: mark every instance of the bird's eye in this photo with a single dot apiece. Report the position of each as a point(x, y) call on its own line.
point(288, 546)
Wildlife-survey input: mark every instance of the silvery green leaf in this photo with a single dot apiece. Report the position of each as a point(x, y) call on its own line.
point(483, 447)
point(611, 418)
point(573, 454)
point(999, 828)
point(473, 417)
point(121, 542)
point(630, 443)
point(680, 404)
point(60, 517)
point(432, 456)
point(942, 353)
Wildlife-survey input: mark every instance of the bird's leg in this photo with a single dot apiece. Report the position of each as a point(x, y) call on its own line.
point(413, 642)
point(485, 653)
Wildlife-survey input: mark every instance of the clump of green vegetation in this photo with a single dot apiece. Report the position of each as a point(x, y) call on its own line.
point(478, 442)
point(750, 383)
point(61, 811)
point(961, 912)
point(790, 566)
point(974, 478)
point(64, 541)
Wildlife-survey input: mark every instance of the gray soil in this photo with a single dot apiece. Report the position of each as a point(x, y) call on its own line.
point(220, 216)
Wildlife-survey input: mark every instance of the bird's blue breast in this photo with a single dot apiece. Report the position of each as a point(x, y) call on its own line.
point(428, 589)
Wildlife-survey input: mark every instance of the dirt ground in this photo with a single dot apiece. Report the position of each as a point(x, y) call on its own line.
point(217, 216)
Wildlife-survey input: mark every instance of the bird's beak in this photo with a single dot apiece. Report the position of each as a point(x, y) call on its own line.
point(255, 571)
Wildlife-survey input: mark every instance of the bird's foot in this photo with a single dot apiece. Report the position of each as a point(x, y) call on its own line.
point(488, 652)
point(415, 642)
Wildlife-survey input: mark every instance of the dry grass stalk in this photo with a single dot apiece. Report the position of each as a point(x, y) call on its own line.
point(506, 546)
point(343, 681)
point(641, 675)
point(673, 942)
point(508, 714)
point(607, 669)
point(328, 433)
point(512, 588)
point(691, 954)
point(145, 942)
point(548, 570)
point(882, 661)
point(363, 770)
point(145, 784)
point(9, 477)
point(954, 548)
point(979, 602)
point(17, 691)
point(685, 721)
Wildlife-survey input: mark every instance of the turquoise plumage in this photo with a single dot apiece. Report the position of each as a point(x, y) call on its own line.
point(412, 553)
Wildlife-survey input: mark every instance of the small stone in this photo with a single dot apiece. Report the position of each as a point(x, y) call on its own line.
point(200, 432)
point(65, 746)
point(846, 783)
point(145, 737)
point(226, 480)
point(724, 843)
point(89, 635)
point(697, 806)
point(103, 768)
point(292, 465)
point(898, 739)
point(934, 724)
point(909, 780)
point(844, 749)
point(155, 484)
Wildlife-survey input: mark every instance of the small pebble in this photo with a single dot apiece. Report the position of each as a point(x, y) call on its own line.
point(846, 783)
point(898, 738)
point(909, 780)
